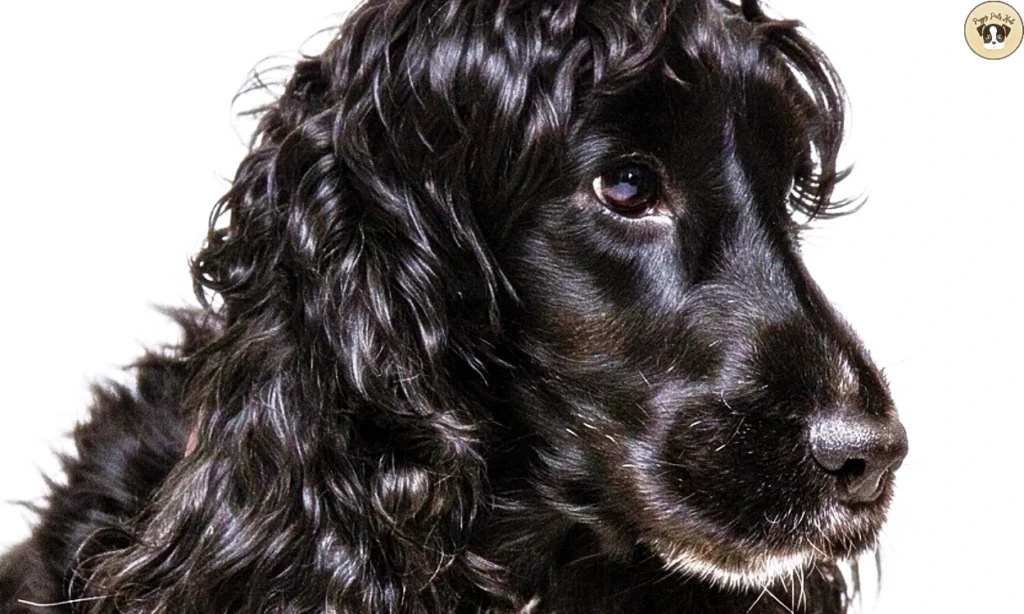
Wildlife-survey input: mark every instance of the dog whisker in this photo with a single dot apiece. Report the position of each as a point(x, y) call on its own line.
point(777, 600)
point(57, 604)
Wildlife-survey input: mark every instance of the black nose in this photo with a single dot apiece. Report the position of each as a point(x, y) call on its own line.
point(858, 449)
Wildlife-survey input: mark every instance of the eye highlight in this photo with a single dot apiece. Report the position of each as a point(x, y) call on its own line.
point(631, 189)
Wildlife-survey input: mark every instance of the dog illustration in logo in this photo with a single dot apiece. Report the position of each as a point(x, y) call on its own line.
point(994, 35)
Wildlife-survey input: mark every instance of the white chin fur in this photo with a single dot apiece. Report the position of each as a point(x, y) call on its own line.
point(758, 573)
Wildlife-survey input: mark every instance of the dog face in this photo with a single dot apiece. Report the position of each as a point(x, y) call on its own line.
point(994, 35)
point(698, 394)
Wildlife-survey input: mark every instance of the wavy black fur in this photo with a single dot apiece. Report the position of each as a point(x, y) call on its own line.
point(441, 376)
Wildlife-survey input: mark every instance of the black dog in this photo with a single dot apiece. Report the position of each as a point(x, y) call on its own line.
point(511, 318)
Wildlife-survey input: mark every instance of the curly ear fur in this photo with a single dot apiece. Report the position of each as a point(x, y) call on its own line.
point(336, 419)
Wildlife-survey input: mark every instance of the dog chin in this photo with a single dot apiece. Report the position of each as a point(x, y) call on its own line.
point(994, 45)
point(841, 535)
point(757, 571)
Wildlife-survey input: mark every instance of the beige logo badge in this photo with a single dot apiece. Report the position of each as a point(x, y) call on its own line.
point(993, 30)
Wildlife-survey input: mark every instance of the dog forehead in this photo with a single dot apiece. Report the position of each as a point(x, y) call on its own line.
point(719, 57)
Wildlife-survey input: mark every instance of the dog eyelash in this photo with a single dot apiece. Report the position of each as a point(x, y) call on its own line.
point(810, 193)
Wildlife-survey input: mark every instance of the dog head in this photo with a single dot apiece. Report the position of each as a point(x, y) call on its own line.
point(550, 247)
point(994, 35)
point(605, 196)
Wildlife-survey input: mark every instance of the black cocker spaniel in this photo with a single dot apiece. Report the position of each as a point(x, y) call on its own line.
point(503, 312)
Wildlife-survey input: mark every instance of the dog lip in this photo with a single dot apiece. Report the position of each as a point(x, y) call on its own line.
point(870, 496)
point(866, 495)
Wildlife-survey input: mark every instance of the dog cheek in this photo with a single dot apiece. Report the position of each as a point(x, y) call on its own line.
point(736, 469)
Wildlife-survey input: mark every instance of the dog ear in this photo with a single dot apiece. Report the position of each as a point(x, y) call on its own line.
point(338, 428)
point(1006, 31)
point(981, 30)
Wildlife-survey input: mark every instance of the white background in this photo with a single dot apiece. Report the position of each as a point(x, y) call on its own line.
point(116, 134)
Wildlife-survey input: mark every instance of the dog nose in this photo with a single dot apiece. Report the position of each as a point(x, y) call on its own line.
point(857, 448)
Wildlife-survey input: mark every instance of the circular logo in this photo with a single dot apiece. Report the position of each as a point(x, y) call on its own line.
point(993, 30)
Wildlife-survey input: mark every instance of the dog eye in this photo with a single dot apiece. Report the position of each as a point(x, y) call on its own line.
point(630, 189)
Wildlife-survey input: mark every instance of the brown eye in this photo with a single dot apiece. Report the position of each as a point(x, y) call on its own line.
point(630, 189)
